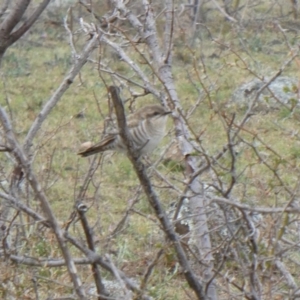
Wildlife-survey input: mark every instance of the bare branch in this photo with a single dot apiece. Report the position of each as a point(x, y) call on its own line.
point(262, 210)
point(24, 162)
point(169, 32)
point(94, 257)
point(46, 262)
point(13, 18)
point(152, 196)
point(90, 241)
point(286, 274)
point(3, 8)
point(68, 80)
point(29, 22)
point(224, 12)
point(19, 205)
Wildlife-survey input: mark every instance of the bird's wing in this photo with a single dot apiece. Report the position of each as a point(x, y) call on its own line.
point(133, 122)
point(109, 141)
point(106, 143)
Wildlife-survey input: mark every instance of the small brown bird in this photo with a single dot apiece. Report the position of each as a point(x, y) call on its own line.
point(146, 126)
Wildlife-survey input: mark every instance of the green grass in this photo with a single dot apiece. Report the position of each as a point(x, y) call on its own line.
point(34, 68)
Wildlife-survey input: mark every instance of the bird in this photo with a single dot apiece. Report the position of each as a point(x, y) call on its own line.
point(146, 127)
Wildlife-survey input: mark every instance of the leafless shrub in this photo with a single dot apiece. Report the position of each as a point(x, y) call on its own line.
point(233, 227)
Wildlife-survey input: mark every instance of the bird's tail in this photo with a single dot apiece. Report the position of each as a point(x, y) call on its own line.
point(108, 143)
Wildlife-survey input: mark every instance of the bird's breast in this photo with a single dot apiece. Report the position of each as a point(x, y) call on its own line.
point(154, 132)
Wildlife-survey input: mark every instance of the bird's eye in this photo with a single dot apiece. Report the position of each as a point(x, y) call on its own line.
point(155, 113)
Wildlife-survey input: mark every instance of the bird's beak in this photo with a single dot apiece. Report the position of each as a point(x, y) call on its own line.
point(168, 112)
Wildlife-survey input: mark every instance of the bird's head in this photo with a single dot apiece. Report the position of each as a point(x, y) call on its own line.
point(153, 112)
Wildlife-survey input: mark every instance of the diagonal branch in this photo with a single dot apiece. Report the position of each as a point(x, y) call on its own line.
point(24, 162)
point(29, 22)
point(13, 18)
point(3, 8)
point(152, 196)
point(68, 80)
point(22, 207)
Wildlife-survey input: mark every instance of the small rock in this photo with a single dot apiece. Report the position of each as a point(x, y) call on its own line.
point(284, 91)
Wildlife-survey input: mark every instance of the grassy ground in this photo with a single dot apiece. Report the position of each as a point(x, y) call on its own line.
point(33, 69)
